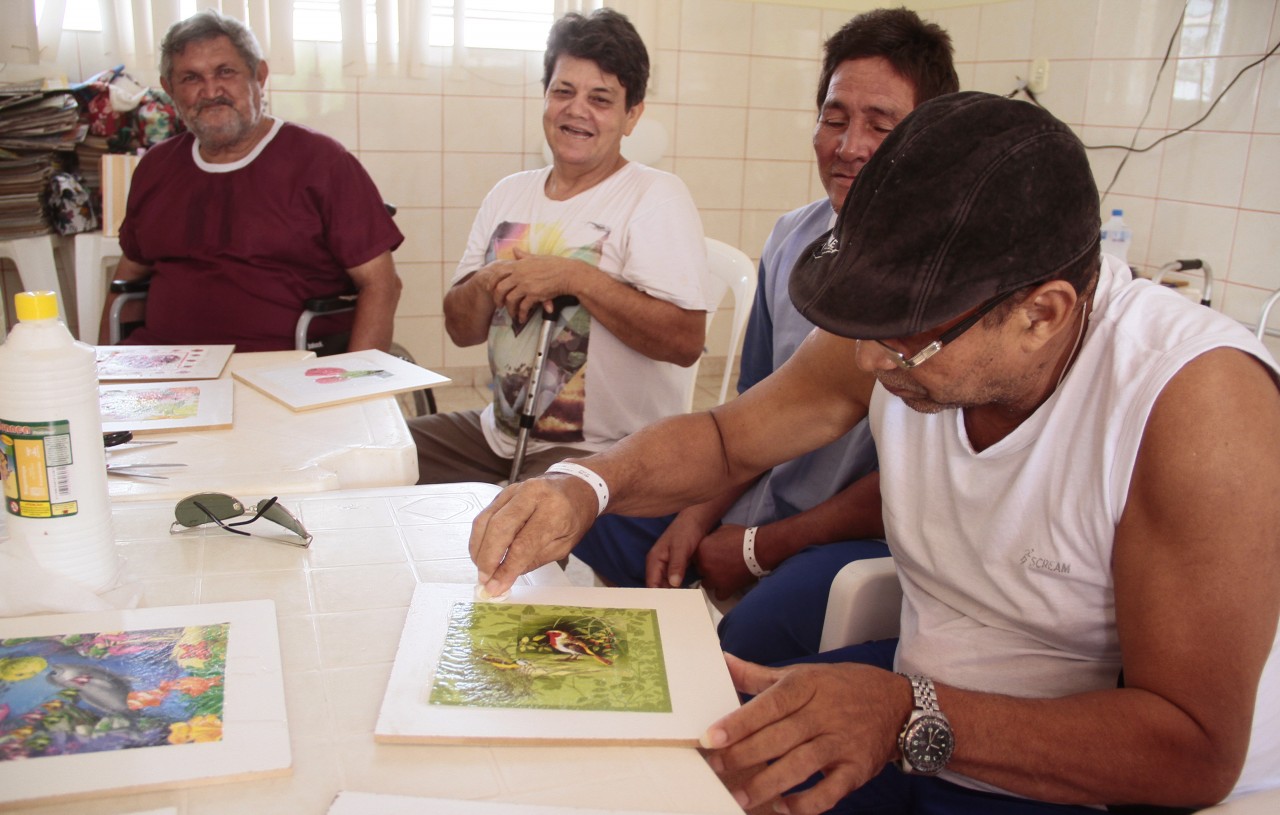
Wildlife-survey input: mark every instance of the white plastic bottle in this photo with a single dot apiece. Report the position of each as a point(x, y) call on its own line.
point(1116, 237)
point(54, 469)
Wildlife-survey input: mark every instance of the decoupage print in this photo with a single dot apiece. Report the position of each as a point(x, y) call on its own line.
point(555, 657)
point(93, 692)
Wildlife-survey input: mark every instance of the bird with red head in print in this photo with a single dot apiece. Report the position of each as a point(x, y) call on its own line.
point(567, 643)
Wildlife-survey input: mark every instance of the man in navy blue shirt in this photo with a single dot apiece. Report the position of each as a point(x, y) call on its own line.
point(802, 521)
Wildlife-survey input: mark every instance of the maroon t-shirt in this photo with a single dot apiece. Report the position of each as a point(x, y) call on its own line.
point(238, 248)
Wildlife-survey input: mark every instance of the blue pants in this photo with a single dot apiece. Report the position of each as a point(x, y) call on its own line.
point(779, 618)
point(893, 792)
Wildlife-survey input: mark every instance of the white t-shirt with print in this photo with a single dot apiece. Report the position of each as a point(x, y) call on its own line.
point(639, 226)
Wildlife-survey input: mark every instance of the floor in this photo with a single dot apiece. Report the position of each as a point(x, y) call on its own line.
point(473, 397)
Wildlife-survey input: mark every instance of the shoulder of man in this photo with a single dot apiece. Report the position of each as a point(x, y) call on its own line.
point(815, 215)
point(179, 144)
point(646, 177)
point(298, 136)
point(805, 223)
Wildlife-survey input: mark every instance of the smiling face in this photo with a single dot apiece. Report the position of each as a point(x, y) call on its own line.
point(218, 97)
point(584, 116)
point(865, 100)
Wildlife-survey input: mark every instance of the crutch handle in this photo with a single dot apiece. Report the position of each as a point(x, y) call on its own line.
point(558, 305)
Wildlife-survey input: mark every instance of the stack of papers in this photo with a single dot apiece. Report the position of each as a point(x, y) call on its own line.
point(89, 155)
point(36, 126)
point(43, 121)
point(22, 187)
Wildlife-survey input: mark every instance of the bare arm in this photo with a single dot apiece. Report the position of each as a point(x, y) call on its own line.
point(812, 400)
point(1197, 588)
point(469, 306)
point(851, 514)
point(669, 557)
point(656, 328)
point(125, 270)
point(379, 288)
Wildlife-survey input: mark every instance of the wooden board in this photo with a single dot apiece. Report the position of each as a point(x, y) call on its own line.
point(116, 702)
point(339, 378)
point(118, 363)
point(150, 406)
point(468, 674)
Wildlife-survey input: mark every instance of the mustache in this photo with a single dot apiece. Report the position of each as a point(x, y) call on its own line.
point(205, 104)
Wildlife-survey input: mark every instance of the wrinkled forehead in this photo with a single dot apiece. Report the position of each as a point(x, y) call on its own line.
point(207, 52)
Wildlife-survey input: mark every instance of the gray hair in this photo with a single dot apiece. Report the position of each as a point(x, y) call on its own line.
point(206, 25)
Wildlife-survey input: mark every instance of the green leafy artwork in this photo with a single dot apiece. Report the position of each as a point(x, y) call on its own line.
point(555, 657)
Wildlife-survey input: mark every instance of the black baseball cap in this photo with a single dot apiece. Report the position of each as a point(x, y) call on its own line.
point(970, 197)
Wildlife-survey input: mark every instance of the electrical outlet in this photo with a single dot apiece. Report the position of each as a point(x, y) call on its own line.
point(1039, 81)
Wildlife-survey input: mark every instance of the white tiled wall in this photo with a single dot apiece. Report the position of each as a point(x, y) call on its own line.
point(734, 86)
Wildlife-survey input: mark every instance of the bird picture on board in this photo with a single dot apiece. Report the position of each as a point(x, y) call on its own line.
point(553, 657)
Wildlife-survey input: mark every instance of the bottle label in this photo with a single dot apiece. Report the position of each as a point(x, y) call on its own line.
point(35, 467)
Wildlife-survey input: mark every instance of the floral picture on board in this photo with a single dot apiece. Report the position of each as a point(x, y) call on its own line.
point(119, 404)
point(143, 406)
point(81, 693)
point(124, 362)
point(556, 657)
point(311, 383)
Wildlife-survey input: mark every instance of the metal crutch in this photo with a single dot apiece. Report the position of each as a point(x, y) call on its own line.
point(549, 320)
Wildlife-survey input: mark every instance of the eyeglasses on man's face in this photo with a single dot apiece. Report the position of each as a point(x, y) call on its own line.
point(217, 508)
point(906, 363)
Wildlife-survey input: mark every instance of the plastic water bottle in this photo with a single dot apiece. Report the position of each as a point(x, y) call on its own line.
point(1116, 237)
point(54, 467)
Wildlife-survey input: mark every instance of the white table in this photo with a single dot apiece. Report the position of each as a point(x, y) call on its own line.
point(341, 606)
point(271, 449)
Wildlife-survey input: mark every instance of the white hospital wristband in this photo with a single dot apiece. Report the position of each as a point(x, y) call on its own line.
point(589, 476)
point(749, 552)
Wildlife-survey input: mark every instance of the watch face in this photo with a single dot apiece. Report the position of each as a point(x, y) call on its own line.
point(928, 743)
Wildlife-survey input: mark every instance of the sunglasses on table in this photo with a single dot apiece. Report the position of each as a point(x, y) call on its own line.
point(218, 508)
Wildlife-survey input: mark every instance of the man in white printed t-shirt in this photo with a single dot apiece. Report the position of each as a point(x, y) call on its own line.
point(624, 241)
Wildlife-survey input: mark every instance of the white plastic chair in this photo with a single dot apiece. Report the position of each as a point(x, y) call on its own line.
point(729, 269)
point(1266, 313)
point(865, 604)
point(1266, 802)
point(34, 258)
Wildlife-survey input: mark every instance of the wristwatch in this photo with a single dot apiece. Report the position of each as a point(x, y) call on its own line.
point(926, 741)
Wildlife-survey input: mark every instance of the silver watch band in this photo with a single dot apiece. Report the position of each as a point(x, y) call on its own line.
point(926, 696)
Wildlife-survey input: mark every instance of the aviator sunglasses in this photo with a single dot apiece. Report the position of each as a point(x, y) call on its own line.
point(217, 508)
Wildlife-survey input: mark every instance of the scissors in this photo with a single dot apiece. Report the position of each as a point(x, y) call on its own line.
point(125, 437)
point(119, 437)
point(136, 470)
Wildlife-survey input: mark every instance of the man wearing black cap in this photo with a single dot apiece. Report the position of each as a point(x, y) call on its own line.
point(1078, 473)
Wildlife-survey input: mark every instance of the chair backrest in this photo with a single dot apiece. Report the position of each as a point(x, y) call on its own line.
point(729, 269)
point(1266, 313)
point(865, 604)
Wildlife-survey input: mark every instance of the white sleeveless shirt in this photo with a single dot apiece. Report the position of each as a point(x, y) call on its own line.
point(1005, 554)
